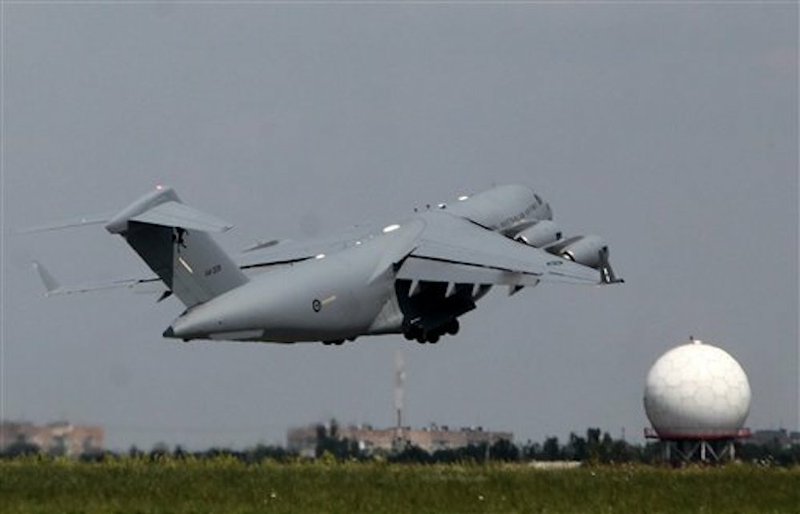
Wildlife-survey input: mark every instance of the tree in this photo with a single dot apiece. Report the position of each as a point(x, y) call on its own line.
point(135, 452)
point(412, 454)
point(504, 450)
point(576, 448)
point(551, 449)
point(21, 448)
point(328, 441)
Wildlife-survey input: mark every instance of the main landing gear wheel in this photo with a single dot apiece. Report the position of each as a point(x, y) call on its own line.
point(421, 336)
point(453, 327)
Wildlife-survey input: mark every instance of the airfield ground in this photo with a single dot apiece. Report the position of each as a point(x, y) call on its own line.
point(228, 486)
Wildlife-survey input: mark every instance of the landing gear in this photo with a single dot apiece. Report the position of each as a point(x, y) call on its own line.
point(337, 342)
point(414, 333)
point(421, 336)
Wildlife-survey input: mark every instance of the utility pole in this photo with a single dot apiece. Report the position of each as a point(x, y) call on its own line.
point(399, 393)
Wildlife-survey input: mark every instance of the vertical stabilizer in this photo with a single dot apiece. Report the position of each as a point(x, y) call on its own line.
point(172, 239)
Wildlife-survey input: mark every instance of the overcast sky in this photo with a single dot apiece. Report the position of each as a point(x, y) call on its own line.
point(669, 129)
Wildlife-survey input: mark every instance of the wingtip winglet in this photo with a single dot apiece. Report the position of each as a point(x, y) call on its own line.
point(51, 285)
point(607, 275)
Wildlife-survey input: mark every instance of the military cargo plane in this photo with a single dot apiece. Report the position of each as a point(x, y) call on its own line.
point(415, 277)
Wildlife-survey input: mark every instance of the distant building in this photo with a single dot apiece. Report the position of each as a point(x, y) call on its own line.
point(303, 440)
point(780, 437)
point(59, 438)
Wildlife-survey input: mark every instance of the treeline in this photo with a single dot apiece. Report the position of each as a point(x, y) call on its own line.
point(160, 451)
point(596, 447)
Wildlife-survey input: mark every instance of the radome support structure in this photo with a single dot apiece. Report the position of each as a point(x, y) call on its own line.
point(700, 448)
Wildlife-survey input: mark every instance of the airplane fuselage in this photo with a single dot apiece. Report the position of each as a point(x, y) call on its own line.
point(354, 291)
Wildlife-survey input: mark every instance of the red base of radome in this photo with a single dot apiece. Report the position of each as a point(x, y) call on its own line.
point(742, 433)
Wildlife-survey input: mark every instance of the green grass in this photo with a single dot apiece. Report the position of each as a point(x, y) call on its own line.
point(228, 486)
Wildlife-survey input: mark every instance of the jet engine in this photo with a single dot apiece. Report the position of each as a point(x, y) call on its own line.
point(539, 234)
point(590, 251)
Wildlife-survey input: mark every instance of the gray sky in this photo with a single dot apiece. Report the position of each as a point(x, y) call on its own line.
point(669, 129)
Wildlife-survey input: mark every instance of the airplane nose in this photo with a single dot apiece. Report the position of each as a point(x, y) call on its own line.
point(169, 332)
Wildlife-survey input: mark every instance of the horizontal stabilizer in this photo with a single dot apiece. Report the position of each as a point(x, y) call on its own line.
point(93, 219)
point(175, 214)
point(167, 214)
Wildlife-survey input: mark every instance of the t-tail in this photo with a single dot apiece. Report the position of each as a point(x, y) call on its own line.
point(172, 239)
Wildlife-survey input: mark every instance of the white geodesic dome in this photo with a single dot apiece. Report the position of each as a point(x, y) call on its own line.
point(696, 390)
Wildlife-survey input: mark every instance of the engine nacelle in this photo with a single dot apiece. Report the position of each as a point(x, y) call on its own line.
point(590, 251)
point(539, 234)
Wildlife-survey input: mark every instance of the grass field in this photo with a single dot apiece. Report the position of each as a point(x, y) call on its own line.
point(228, 486)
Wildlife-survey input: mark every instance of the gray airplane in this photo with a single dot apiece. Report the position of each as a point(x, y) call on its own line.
point(414, 277)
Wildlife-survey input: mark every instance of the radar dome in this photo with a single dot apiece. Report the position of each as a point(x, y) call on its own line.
point(697, 391)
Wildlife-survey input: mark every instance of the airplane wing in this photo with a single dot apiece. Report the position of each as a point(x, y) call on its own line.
point(453, 249)
point(450, 249)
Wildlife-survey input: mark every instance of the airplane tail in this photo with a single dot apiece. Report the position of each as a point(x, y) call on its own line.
point(172, 239)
